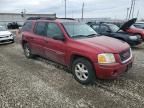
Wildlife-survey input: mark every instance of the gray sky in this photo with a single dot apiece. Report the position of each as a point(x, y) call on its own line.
point(93, 8)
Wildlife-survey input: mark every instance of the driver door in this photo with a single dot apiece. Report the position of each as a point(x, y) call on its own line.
point(55, 49)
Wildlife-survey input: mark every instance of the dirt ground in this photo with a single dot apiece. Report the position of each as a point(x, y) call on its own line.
point(40, 83)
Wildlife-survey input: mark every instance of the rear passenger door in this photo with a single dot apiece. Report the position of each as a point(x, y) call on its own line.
point(37, 38)
point(55, 49)
point(27, 33)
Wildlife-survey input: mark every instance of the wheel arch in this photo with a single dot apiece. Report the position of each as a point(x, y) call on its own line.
point(76, 56)
point(24, 42)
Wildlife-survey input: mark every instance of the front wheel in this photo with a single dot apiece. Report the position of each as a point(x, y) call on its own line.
point(83, 71)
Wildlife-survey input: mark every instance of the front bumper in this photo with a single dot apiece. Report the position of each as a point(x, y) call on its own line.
point(135, 42)
point(112, 71)
point(6, 39)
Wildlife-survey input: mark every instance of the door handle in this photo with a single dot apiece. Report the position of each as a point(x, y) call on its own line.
point(31, 38)
point(46, 41)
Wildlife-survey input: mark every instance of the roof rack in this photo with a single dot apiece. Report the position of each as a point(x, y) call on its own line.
point(67, 18)
point(38, 18)
point(47, 18)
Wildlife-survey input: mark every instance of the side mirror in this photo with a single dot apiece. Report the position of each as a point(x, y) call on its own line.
point(61, 38)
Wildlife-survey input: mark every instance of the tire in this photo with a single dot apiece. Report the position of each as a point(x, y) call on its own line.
point(27, 51)
point(82, 64)
point(13, 41)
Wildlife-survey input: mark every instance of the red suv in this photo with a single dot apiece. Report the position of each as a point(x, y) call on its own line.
point(77, 46)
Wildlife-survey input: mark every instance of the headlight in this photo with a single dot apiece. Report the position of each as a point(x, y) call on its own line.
point(106, 58)
point(11, 35)
point(133, 37)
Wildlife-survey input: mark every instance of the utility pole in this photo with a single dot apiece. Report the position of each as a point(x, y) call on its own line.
point(65, 9)
point(82, 10)
point(137, 14)
point(127, 13)
point(23, 13)
point(132, 1)
point(133, 9)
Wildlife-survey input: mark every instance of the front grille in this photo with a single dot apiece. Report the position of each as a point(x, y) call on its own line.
point(125, 55)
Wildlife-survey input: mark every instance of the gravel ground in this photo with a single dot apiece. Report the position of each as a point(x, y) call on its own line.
point(39, 83)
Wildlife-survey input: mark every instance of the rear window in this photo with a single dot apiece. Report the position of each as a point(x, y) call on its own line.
point(27, 26)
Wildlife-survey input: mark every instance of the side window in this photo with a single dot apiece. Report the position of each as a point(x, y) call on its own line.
point(40, 28)
point(53, 30)
point(27, 26)
point(104, 28)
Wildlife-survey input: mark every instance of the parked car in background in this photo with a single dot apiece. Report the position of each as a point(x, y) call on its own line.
point(77, 46)
point(129, 28)
point(5, 35)
point(13, 25)
point(139, 25)
point(114, 31)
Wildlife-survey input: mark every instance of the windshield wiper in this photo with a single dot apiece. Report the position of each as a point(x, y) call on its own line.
point(89, 36)
point(78, 36)
point(92, 35)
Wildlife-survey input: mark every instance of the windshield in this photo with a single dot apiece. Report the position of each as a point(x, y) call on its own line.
point(76, 30)
point(114, 28)
point(2, 28)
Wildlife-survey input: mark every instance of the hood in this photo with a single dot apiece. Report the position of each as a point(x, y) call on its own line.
point(105, 44)
point(122, 34)
point(128, 24)
point(139, 30)
point(5, 33)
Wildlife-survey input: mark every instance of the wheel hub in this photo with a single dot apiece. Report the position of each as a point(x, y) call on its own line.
point(81, 71)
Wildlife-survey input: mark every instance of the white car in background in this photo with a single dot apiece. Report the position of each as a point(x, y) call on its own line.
point(5, 35)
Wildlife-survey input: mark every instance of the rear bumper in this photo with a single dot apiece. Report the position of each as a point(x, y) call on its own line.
point(112, 71)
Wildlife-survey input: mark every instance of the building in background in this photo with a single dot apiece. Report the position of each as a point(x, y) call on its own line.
point(6, 18)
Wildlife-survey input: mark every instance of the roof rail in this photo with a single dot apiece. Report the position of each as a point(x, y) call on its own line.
point(67, 18)
point(47, 18)
point(38, 18)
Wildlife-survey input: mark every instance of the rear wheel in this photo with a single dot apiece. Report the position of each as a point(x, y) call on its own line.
point(13, 41)
point(27, 51)
point(83, 71)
